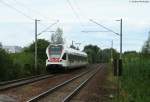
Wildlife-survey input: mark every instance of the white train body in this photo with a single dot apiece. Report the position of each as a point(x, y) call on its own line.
point(61, 57)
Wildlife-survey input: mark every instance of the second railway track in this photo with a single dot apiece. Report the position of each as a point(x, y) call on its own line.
point(23, 81)
point(65, 91)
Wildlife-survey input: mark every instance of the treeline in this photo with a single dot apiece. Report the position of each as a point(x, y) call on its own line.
point(98, 55)
point(17, 65)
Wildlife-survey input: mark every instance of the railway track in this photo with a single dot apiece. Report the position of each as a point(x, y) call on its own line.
point(19, 82)
point(23, 92)
point(65, 91)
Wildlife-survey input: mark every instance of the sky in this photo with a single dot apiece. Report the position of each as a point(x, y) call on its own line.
point(17, 21)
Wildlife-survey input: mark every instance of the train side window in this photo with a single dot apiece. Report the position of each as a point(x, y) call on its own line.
point(64, 56)
point(69, 57)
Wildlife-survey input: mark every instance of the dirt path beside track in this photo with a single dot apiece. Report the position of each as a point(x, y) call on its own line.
point(98, 89)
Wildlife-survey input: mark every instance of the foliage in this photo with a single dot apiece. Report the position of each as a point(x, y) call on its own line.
point(6, 65)
point(93, 52)
point(41, 49)
point(106, 54)
point(56, 37)
point(17, 65)
point(146, 46)
point(23, 63)
point(135, 80)
point(41, 53)
point(97, 55)
point(0, 45)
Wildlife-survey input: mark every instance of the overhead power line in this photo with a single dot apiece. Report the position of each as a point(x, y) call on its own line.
point(30, 9)
point(48, 28)
point(74, 11)
point(93, 31)
point(17, 10)
point(104, 27)
point(82, 14)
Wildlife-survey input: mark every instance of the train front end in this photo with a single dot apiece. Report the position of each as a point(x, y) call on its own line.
point(54, 61)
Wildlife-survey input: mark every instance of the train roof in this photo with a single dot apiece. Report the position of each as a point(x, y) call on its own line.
point(74, 51)
point(71, 50)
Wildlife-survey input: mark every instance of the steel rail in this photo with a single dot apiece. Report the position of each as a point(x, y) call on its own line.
point(17, 80)
point(70, 96)
point(51, 90)
point(24, 82)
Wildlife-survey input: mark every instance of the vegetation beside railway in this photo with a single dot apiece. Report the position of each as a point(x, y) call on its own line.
point(98, 55)
point(135, 79)
point(18, 65)
point(136, 74)
point(134, 82)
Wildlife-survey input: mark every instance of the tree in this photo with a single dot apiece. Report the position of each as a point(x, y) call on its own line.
point(0, 45)
point(6, 65)
point(96, 54)
point(23, 63)
point(106, 54)
point(41, 49)
point(93, 53)
point(146, 46)
point(56, 37)
point(41, 54)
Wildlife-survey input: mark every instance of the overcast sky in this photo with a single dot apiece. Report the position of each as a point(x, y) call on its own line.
point(17, 21)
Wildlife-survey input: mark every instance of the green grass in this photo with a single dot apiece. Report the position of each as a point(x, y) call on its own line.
point(135, 81)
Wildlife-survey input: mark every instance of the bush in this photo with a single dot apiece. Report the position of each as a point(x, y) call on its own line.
point(135, 80)
point(6, 66)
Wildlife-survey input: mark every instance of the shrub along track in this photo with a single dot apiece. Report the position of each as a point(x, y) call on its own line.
point(26, 91)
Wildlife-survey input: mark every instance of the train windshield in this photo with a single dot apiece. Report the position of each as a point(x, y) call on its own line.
point(55, 51)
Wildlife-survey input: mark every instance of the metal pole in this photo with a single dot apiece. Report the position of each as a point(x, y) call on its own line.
point(35, 65)
point(72, 42)
point(120, 38)
point(120, 60)
point(111, 51)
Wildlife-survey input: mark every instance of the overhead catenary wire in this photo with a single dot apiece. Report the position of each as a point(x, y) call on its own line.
point(30, 9)
point(34, 11)
point(74, 11)
point(82, 14)
point(17, 10)
point(93, 31)
point(24, 14)
point(104, 27)
point(48, 28)
point(108, 30)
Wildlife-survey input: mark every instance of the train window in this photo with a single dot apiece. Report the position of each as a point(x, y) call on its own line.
point(64, 56)
point(70, 57)
point(55, 51)
point(73, 58)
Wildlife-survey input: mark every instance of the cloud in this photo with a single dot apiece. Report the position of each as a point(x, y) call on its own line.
point(136, 20)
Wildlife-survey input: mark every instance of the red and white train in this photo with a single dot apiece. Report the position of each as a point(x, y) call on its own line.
point(61, 57)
